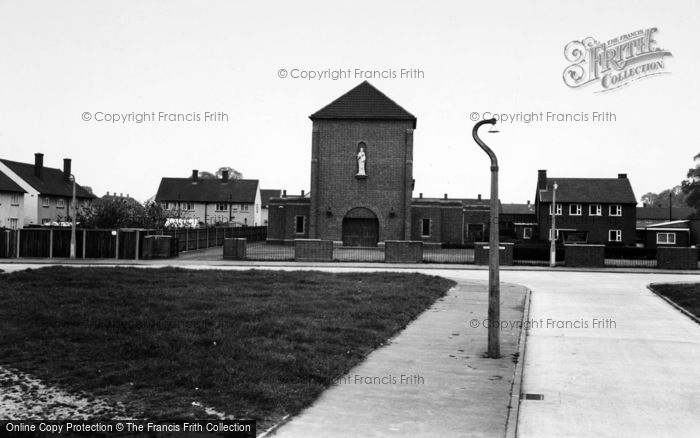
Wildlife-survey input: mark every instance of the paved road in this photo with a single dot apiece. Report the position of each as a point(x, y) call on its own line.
point(635, 373)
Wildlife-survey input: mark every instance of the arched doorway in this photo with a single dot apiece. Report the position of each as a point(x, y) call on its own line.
point(360, 228)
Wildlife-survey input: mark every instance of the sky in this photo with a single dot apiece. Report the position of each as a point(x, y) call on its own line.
point(67, 66)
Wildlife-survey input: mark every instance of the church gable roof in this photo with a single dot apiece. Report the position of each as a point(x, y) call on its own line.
point(363, 102)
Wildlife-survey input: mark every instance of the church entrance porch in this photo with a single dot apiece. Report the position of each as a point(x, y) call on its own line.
point(360, 228)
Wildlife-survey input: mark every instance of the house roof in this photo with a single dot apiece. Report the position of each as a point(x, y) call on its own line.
point(467, 203)
point(590, 190)
point(661, 213)
point(52, 182)
point(207, 190)
point(7, 185)
point(364, 102)
point(518, 209)
point(672, 224)
point(266, 194)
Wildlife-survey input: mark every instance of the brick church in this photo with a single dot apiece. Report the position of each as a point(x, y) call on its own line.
point(361, 190)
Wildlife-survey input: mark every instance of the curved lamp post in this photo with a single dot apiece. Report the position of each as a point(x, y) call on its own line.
point(494, 281)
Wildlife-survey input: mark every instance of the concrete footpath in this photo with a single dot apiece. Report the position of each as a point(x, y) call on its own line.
point(614, 359)
point(430, 381)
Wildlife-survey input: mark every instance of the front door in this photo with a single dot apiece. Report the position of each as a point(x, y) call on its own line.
point(360, 232)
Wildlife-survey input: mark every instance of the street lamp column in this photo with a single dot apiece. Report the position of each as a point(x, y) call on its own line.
point(494, 316)
point(553, 233)
point(73, 217)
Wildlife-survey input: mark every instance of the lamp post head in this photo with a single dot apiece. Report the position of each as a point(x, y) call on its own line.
point(494, 129)
point(72, 178)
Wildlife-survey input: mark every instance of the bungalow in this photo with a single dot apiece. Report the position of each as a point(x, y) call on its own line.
point(212, 201)
point(588, 210)
point(673, 233)
point(518, 221)
point(47, 192)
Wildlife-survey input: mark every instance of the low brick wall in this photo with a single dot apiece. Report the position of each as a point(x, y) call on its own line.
point(235, 248)
point(403, 251)
point(505, 254)
point(584, 255)
point(313, 250)
point(677, 258)
point(157, 247)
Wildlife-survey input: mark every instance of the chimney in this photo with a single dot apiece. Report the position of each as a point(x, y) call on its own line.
point(528, 202)
point(39, 165)
point(542, 179)
point(621, 176)
point(479, 196)
point(302, 193)
point(195, 175)
point(420, 195)
point(224, 176)
point(445, 195)
point(284, 193)
point(107, 193)
point(66, 169)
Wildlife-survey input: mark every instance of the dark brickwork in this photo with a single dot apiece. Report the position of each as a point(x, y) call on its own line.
point(403, 251)
point(505, 255)
point(584, 255)
point(282, 219)
point(235, 249)
point(597, 226)
point(336, 188)
point(314, 250)
point(677, 258)
point(445, 221)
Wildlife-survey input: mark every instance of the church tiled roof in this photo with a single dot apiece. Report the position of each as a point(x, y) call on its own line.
point(363, 102)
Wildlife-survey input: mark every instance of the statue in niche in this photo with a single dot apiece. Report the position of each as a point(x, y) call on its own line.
point(361, 159)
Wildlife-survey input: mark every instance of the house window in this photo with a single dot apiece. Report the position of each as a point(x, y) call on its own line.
point(299, 224)
point(550, 234)
point(425, 228)
point(575, 209)
point(14, 199)
point(595, 210)
point(188, 205)
point(13, 222)
point(527, 233)
point(666, 238)
point(615, 210)
point(164, 205)
point(615, 236)
point(60, 203)
point(244, 207)
point(46, 221)
point(45, 201)
point(558, 209)
point(221, 206)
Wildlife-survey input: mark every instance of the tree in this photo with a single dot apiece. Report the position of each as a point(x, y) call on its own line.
point(203, 174)
point(675, 194)
point(691, 186)
point(232, 173)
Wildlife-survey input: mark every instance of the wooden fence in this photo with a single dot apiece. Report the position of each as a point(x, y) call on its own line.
point(113, 244)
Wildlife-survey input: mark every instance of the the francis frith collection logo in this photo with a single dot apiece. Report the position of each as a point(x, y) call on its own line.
point(614, 63)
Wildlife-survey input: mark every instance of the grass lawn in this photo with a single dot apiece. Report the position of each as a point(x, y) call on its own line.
point(686, 295)
point(252, 344)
